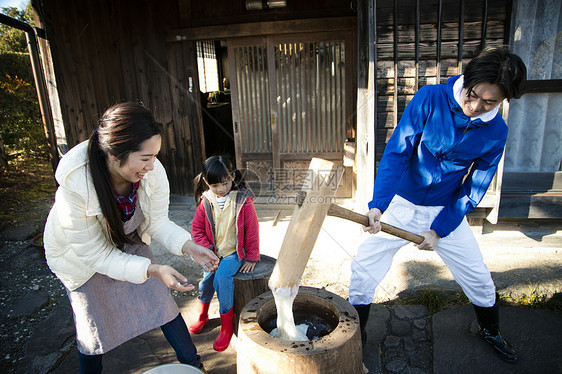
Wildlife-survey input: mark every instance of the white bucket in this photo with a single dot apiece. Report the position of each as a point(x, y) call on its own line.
point(173, 369)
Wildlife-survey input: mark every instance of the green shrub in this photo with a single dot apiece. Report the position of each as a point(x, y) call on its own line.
point(16, 64)
point(21, 128)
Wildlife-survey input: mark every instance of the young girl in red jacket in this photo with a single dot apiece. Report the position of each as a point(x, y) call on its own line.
point(225, 222)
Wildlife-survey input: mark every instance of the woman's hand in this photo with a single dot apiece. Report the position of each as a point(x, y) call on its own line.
point(201, 255)
point(247, 267)
point(430, 241)
point(374, 216)
point(171, 278)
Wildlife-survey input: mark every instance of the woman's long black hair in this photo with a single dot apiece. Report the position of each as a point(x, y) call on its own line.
point(216, 169)
point(121, 130)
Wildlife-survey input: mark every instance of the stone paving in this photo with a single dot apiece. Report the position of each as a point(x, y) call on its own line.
point(399, 340)
point(408, 343)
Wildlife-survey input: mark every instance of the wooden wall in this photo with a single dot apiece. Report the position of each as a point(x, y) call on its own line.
point(106, 52)
point(439, 40)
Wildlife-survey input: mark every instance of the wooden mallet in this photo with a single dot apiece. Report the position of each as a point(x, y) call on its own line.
point(313, 205)
point(321, 183)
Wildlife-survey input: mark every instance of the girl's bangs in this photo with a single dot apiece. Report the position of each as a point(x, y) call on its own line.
point(218, 174)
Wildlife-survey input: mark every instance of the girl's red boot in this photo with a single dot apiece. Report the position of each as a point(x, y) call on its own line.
point(227, 329)
point(202, 320)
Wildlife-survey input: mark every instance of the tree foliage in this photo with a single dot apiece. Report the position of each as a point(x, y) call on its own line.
point(21, 129)
point(12, 39)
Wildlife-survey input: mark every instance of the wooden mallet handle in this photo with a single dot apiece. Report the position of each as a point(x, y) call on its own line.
point(338, 211)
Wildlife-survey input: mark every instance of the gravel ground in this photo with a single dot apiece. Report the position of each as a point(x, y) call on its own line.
point(28, 292)
point(28, 289)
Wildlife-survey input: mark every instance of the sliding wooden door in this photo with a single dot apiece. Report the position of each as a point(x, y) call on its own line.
point(291, 102)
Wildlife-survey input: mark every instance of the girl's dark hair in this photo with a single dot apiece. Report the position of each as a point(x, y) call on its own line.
point(216, 169)
point(121, 130)
point(497, 65)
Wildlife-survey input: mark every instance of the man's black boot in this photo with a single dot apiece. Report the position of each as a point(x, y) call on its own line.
point(363, 311)
point(488, 319)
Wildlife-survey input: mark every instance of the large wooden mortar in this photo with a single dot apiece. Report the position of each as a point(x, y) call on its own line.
point(337, 352)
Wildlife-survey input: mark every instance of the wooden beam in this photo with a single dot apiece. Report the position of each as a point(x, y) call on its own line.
point(536, 206)
point(261, 28)
point(543, 86)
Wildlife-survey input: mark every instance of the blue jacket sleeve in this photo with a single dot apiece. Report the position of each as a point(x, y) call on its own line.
point(470, 192)
point(399, 149)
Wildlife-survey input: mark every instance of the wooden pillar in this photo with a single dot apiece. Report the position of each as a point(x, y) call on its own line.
point(366, 102)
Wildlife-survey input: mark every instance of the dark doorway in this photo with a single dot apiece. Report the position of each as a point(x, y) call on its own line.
point(216, 108)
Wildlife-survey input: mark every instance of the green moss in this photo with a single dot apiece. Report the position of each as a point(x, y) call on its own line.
point(433, 299)
point(436, 300)
point(9, 217)
point(533, 298)
point(27, 189)
point(38, 191)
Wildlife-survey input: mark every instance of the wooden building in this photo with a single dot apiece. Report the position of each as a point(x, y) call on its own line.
point(273, 83)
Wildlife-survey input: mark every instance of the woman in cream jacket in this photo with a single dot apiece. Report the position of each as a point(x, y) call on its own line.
point(112, 200)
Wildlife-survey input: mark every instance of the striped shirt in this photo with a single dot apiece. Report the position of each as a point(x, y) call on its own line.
point(222, 200)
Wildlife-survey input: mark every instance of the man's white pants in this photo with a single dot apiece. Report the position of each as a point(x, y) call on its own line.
point(458, 250)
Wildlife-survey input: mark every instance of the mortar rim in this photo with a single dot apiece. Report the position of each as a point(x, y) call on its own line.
point(347, 327)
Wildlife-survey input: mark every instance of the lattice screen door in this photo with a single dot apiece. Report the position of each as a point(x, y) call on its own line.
point(289, 103)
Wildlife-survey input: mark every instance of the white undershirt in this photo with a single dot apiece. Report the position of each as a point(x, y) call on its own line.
point(457, 92)
point(222, 200)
